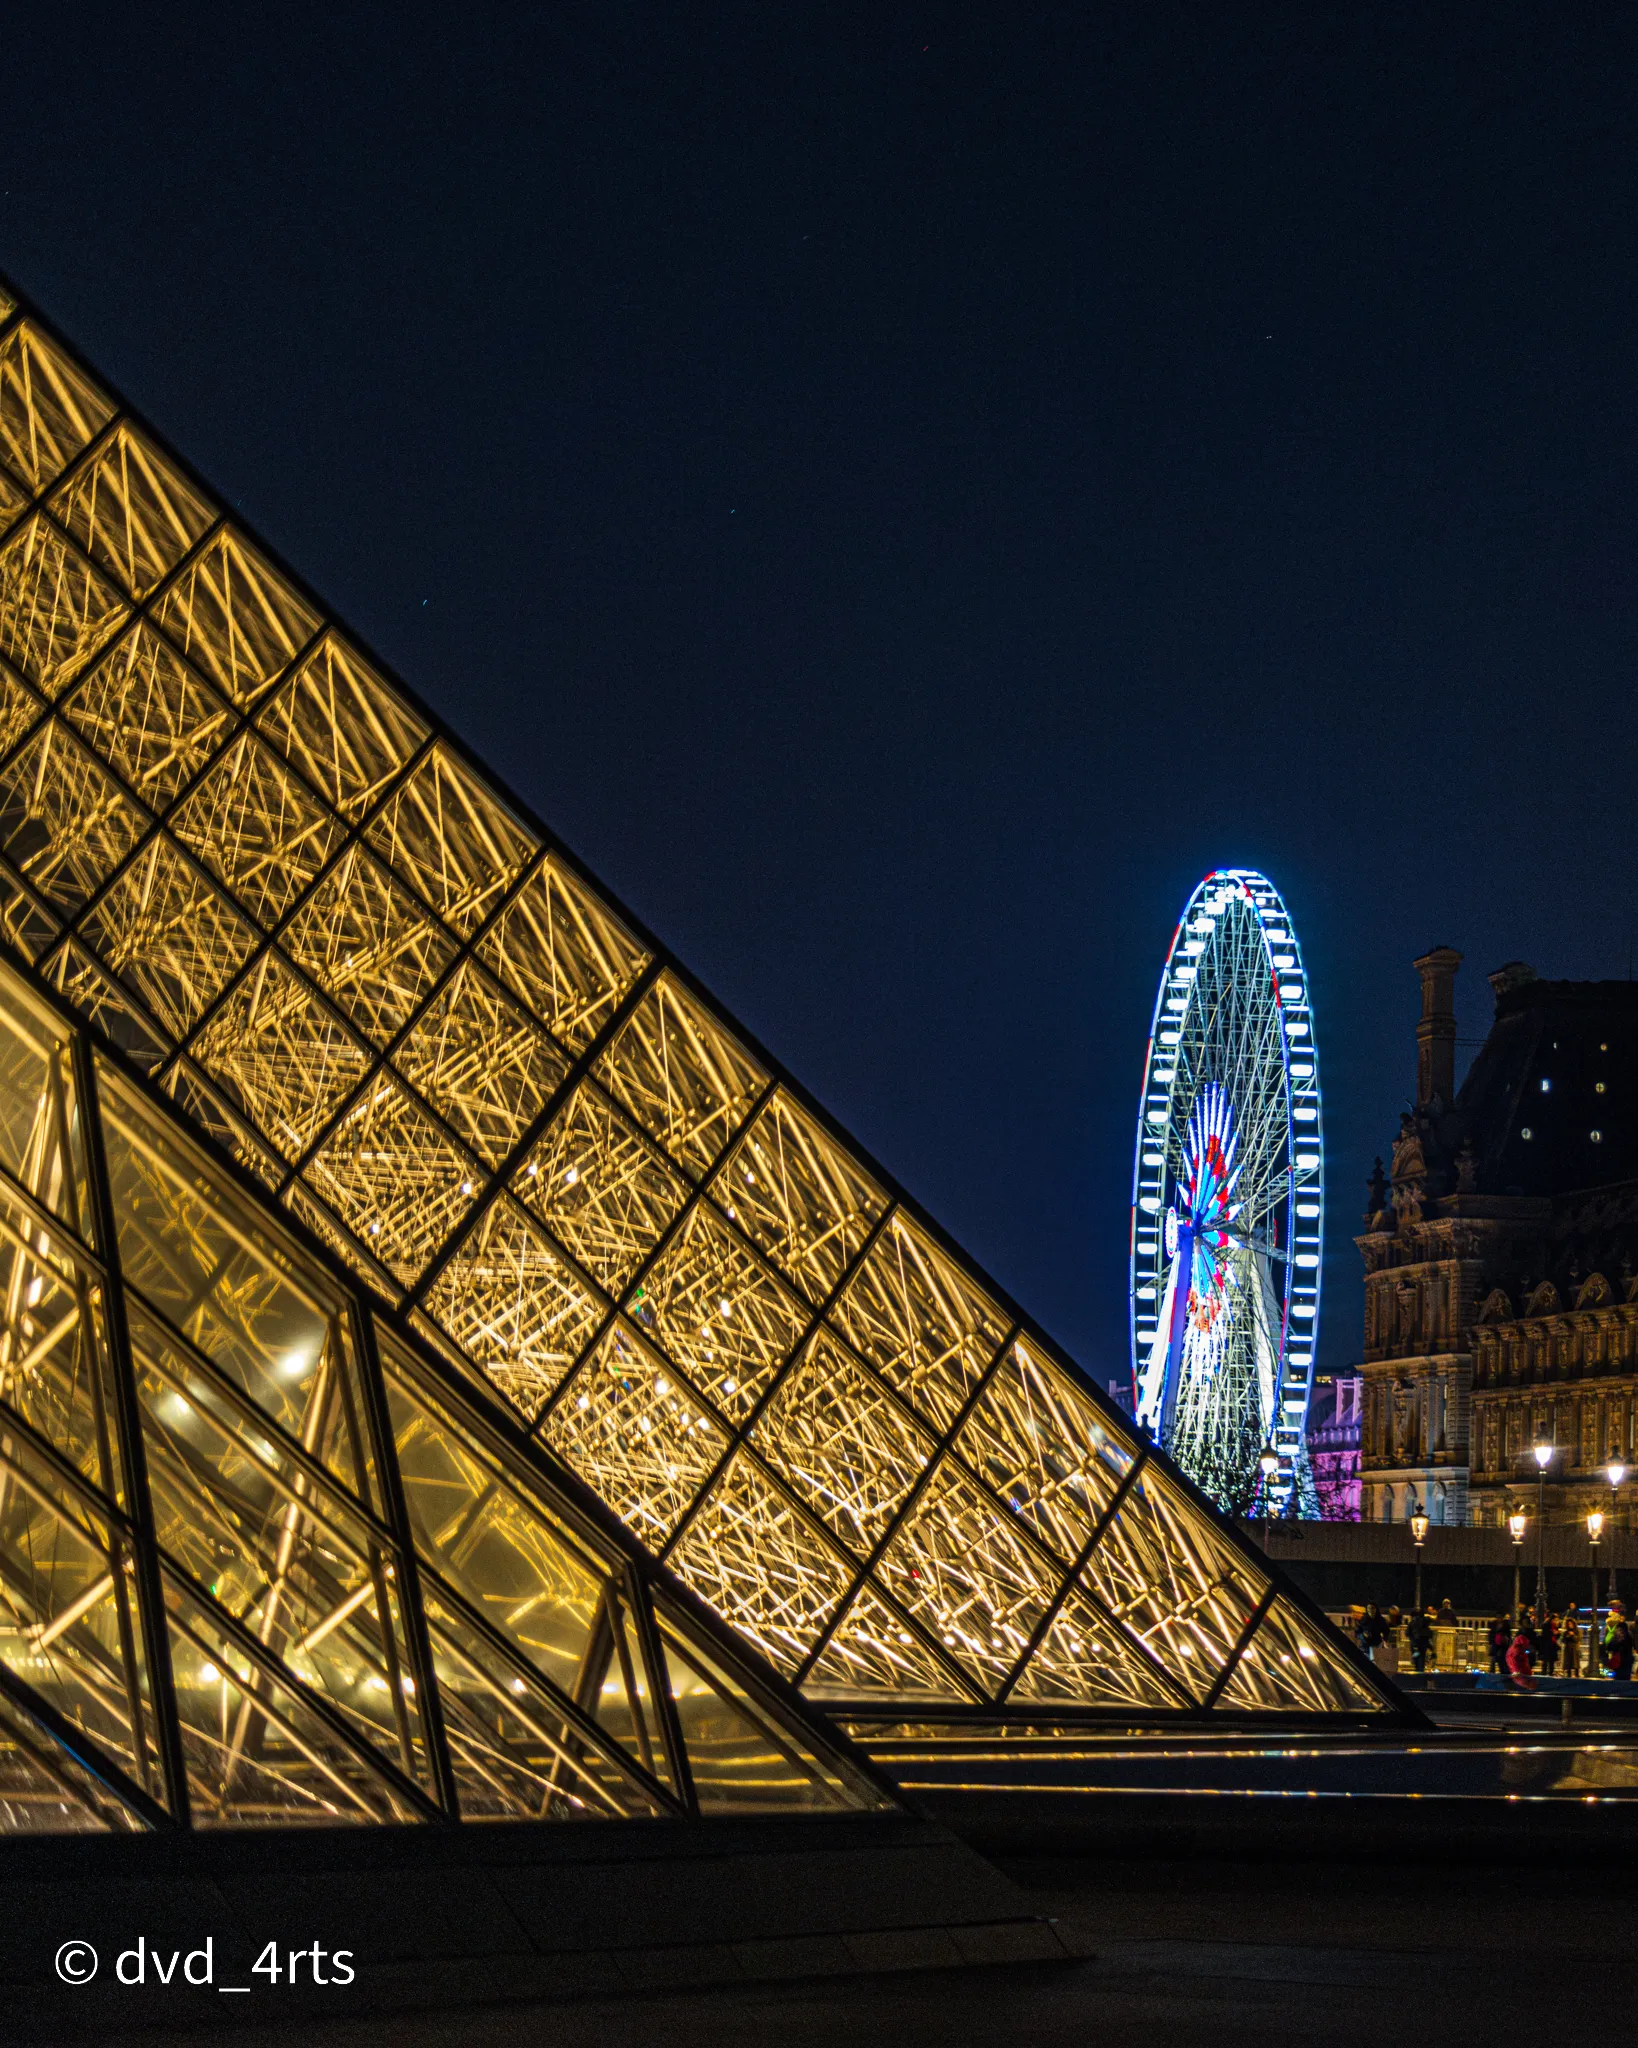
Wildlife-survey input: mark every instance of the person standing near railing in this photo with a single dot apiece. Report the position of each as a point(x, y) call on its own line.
point(1618, 1642)
point(1569, 1644)
point(1445, 1627)
point(1521, 1662)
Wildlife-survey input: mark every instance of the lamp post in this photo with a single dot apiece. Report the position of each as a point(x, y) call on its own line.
point(1615, 1471)
point(1544, 1457)
point(1517, 1523)
point(1595, 1529)
point(1419, 1536)
point(1270, 1464)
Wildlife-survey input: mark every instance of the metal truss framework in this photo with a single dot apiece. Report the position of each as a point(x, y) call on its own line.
point(262, 1563)
point(253, 861)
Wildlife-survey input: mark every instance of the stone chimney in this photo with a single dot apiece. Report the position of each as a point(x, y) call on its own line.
point(1436, 1027)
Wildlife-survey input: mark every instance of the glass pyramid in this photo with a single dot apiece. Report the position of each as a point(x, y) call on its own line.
point(263, 1561)
point(250, 861)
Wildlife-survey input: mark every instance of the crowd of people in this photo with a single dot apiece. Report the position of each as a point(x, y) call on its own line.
point(1525, 1646)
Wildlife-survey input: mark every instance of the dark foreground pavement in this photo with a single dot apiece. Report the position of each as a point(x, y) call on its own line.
point(1174, 1954)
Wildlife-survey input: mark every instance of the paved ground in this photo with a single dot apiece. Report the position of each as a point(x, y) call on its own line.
point(1181, 1956)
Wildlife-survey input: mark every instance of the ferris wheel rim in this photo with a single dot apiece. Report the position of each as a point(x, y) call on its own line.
point(1299, 1139)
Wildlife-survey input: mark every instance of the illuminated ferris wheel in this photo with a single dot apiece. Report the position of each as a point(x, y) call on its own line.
point(1228, 1201)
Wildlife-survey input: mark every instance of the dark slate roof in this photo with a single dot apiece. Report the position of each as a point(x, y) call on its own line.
point(1561, 1063)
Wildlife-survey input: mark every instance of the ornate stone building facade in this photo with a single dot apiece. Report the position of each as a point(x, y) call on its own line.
point(1479, 1205)
point(1557, 1363)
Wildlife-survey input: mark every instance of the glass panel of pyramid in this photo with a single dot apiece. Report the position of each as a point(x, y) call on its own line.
point(234, 1625)
point(44, 1787)
point(376, 978)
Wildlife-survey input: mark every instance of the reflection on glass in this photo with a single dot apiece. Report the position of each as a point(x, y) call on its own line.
point(741, 1759)
point(283, 1553)
point(269, 1321)
point(45, 1791)
point(258, 1754)
point(527, 1622)
point(68, 1626)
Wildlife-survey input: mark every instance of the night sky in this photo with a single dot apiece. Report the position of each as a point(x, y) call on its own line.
point(905, 491)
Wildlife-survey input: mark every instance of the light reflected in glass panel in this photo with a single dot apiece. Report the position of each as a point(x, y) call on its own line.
point(599, 1187)
point(742, 1758)
point(680, 1075)
point(145, 712)
point(169, 934)
point(64, 823)
point(260, 1311)
point(517, 1753)
point(792, 1188)
point(41, 1144)
point(258, 1753)
point(842, 1443)
point(282, 1054)
point(1086, 1659)
point(56, 610)
point(517, 1310)
point(20, 707)
point(1043, 1447)
point(45, 1791)
point(55, 1368)
point(234, 616)
point(1289, 1667)
point(107, 1003)
point(344, 728)
point(253, 825)
point(1174, 1581)
point(636, 1434)
point(451, 840)
point(762, 1565)
point(920, 1320)
point(489, 1539)
point(712, 1305)
point(969, 1576)
point(49, 407)
point(873, 1650)
point(69, 1621)
point(362, 938)
point(283, 1553)
point(501, 1570)
point(563, 953)
point(132, 511)
point(483, 1065)
point(394, 1177)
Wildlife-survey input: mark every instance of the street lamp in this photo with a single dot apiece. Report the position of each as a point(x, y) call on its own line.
point(1595, 1529)
point(1419, 1536)
point(1517, 1523)
point(1544, 1457)
point(1615, 1471)
point(1270, 1463)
